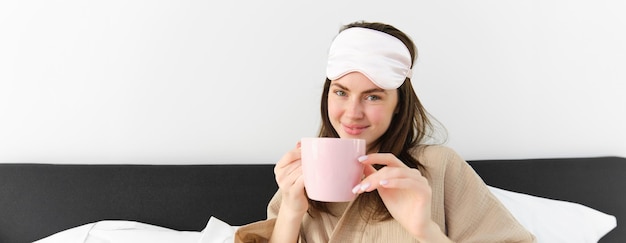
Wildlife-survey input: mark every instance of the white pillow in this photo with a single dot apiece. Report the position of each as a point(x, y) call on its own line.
point(553, 221)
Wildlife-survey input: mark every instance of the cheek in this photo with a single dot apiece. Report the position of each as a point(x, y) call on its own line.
point(381, 116)
point(334, 111)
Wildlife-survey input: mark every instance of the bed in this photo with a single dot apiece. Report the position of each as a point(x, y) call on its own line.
point(38, 200)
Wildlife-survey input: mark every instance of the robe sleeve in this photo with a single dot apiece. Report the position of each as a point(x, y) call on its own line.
point(260, 231)
point(472, 212)
point(256, 232)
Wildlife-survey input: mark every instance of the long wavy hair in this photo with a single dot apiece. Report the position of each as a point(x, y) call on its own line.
point(409, 128)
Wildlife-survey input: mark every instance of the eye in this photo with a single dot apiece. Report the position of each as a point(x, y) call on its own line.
point(372, 97)
point(340, 93)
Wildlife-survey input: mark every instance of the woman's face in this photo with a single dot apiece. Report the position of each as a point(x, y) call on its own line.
point(357, 108)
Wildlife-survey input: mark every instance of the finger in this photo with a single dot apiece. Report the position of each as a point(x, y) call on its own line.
point(368, 170)
point(294, 175)
point(388, 172)
point(289, 172)
point(289, 157)
point(400, 172)
point(365, 185)
point(381, 177)
point(299, 183)
point(289, 180)
point(403, 183)
point(283, 167)
point(295, 180)
point(381, 159)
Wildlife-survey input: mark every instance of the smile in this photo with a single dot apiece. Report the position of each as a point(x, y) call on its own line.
point(354, 130)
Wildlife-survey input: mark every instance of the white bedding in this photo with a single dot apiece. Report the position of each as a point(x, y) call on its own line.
point(121, 231)
point(551, 221)
point(556, 221)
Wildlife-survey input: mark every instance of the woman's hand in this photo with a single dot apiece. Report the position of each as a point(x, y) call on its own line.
point(288, 172)
point(405, 192)
point(294, 203)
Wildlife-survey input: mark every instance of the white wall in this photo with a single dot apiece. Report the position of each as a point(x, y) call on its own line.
point(239, 81)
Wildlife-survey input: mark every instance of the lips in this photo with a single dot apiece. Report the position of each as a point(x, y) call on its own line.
point(354, 129)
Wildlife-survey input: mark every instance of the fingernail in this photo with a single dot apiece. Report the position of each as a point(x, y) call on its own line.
point(356, 189)
point(362, 158)
point(364, 186)
point(383, 182)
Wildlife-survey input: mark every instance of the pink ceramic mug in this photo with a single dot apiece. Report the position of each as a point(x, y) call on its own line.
point(331, 168)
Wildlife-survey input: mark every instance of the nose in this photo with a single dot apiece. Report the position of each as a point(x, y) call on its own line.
point(354, 109)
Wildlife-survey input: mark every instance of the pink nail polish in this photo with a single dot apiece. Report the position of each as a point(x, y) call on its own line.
point(356, 189)
point(364, 186)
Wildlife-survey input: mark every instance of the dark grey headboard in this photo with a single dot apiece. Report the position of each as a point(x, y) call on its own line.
point(38, 200)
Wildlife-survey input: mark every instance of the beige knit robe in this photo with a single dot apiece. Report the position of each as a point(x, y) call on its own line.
point(462, 206)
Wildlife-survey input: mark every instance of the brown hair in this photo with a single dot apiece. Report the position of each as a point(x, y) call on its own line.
point(409, 127)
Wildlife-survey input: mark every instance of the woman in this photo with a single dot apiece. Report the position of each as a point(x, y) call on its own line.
point(411, 192)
